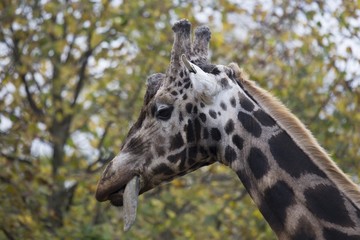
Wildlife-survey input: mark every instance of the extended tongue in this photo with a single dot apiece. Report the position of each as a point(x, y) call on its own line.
point(130, 201)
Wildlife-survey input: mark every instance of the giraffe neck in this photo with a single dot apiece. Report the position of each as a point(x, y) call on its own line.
point(297, 196)
point(293, 194)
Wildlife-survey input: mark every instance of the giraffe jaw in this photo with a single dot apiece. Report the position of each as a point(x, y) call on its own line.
point(116, 196)
point(114, 179)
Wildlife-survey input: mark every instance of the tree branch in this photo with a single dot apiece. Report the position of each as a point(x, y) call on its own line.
point(17, 158)
point(7, 234)
point(82, 70)
point(29, 97)
point(101, 159)
point(71, 46)
point(17, 61)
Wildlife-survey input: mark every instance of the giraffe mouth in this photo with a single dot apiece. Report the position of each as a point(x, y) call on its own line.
point(113, 182)
point(117, 198)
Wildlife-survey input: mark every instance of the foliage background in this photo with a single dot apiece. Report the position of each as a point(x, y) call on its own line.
point(72, 79)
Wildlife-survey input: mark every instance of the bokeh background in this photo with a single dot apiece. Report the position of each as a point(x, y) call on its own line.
point(72, 78)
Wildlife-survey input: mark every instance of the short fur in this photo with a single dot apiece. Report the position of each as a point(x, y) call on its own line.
point(299, 133)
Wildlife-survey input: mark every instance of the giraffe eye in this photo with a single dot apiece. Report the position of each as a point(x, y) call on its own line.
point(163, 112)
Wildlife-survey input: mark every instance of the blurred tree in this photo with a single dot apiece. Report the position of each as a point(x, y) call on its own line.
point(72, 77)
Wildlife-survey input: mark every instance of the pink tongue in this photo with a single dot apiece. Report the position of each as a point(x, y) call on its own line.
point(130, 202)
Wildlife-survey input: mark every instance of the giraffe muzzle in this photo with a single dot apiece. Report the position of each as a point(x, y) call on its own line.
point(117, 174)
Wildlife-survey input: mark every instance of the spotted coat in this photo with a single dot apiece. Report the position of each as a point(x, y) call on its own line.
point(199, 113)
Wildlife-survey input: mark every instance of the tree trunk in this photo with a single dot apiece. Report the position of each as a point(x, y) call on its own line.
point(59, 197)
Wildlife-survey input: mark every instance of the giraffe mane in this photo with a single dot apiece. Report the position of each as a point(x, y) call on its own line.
point(299, 133)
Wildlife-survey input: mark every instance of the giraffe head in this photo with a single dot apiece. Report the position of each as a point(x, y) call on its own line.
point(178, 130)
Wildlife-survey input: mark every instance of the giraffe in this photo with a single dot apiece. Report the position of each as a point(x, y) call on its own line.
point(198, 113)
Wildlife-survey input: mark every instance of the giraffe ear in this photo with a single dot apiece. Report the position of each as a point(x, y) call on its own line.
point(203, 83)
